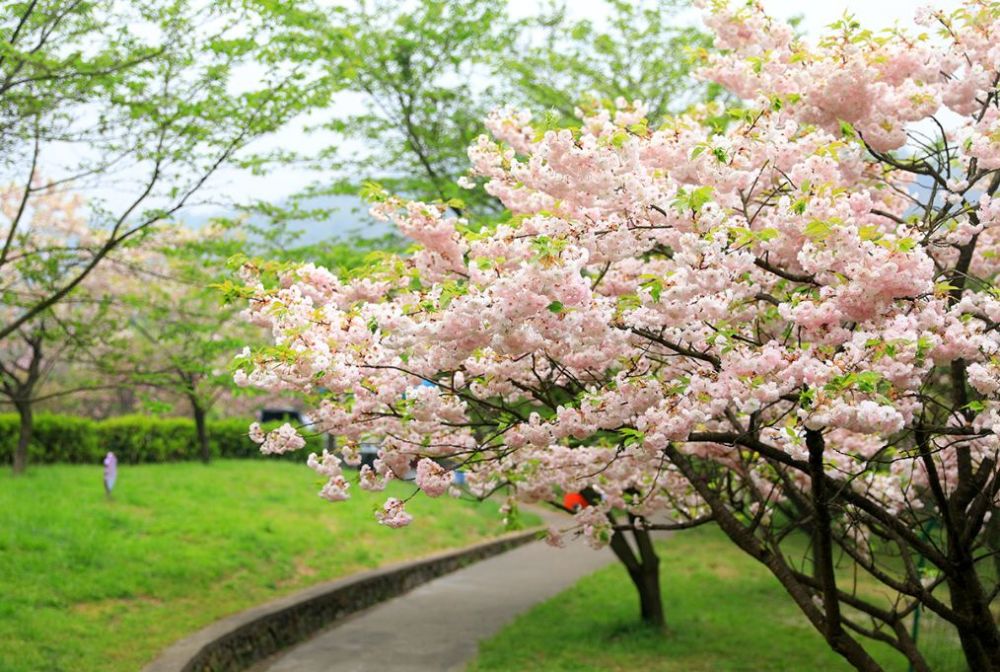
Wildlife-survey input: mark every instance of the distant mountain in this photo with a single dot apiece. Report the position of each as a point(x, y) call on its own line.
point(349, 219)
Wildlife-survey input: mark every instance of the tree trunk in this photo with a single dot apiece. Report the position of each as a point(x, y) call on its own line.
point(745, 539)
point(25, 430)
point(980, 643)
point(991, 536)
point(199, 425)
point(647, 582)
point(644, 570)
point(126, 400)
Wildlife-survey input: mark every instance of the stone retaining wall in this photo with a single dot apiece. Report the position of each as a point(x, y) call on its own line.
point(235, 643)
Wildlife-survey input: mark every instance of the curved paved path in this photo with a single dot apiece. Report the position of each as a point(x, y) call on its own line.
point(437, 626)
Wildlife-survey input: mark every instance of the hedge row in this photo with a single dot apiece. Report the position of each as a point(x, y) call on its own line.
point(132, 438)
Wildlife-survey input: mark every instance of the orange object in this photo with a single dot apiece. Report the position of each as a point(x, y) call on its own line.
point(574, 501)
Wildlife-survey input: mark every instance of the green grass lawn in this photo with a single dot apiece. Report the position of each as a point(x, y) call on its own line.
point(97, 585)
point(725, 613)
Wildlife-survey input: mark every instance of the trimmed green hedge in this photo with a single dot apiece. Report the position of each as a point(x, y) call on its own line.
point(132, 438)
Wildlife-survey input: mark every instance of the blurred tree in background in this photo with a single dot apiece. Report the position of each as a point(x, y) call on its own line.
point(181, 339)
point(129, 107)
point(639, 52)
point(418, 78)
point(136, 104)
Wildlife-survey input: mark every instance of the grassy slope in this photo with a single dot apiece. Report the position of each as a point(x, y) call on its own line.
point(88, 584)
point(725, 613)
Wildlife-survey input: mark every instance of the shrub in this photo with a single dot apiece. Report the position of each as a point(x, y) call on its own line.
point(57, 438)
point(133, 438)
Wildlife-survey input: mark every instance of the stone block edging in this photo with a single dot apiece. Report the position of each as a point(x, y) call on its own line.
point(235, 643)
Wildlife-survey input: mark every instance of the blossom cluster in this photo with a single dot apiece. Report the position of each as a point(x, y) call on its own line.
point(284, 439)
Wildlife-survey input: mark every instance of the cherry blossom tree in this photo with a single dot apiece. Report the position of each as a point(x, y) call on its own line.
point(78, 332)
point(786, 324)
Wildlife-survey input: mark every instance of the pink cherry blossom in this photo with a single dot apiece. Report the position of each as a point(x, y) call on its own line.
point(432, 478)
point(284, 439)
point(393, 514)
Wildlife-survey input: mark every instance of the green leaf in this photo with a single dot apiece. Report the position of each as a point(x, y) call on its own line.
point(818, 230)
point(699, 197)
point(870, 232)
point(767, 234)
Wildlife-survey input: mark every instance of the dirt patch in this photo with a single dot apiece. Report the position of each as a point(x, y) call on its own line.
point(303, 570)
point(101, 608)
point(724, 571)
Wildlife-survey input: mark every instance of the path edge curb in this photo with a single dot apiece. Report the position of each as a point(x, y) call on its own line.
point(236, 642)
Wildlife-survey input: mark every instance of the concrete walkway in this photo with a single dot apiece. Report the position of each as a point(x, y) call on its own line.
point(437, 626)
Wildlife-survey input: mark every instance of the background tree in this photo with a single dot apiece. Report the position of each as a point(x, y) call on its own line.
point(421, 73)
point(639, 51)
point(427, 73)
point(135, 123)
point(182, 338)
point(154, 105)
point(80, 330)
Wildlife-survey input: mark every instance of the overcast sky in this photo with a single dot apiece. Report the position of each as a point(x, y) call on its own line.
point(871, 13)
point(237, 186)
